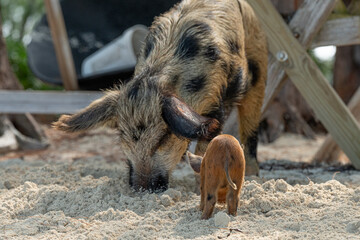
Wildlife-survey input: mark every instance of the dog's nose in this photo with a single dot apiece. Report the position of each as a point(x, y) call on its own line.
point(159, 183)
point(154, 184)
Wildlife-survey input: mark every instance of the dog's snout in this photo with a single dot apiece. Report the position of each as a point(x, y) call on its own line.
point(159, 183)
point(153, 183)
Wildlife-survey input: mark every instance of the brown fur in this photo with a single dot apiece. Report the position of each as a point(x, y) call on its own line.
point(222, 174)
point(202, 71)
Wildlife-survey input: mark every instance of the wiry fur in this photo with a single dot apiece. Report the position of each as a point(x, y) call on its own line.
point(199, 53)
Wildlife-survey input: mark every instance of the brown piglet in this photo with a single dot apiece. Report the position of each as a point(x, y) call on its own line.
point(222, 171)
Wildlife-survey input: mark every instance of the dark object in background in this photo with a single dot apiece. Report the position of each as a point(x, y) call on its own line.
point(347, 71)
point(90, 25)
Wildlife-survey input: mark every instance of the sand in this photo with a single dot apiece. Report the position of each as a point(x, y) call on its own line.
point(87, 197)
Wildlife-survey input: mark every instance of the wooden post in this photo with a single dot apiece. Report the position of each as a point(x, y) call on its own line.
point(309, 80)
point(339, 32)
point(61, 44)
point(305, 24)
point(329, 150)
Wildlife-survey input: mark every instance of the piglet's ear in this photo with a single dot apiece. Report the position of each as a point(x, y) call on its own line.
point(187, 123)
point(99, 113)
point(194, 160)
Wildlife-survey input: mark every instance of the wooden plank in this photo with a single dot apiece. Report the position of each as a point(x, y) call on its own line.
point(45, 102)
point(310, 82)
point(305, 24)
point(288, 7)
point(339, 32)
point(329, 150)
point(61, 44)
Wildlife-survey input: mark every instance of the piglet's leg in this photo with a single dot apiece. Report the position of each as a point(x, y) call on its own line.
point(232, 201)
point(200, 151)
point(210, 196)
point(209, 206)
point(202, 190)
point(233, 196)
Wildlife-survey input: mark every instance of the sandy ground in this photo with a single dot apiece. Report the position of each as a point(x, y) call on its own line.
point(77, 189)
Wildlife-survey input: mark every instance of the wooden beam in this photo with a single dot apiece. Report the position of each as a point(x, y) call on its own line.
point(339, 32)
point(45, 102)
point(305, 24)
point(329, 150)
point(306, 76)
point(61, 44)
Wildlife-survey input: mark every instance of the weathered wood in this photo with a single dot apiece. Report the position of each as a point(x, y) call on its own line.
point(305, 25)
point(339, 32)
point(329, 150)
point(27, 125)
point(287, 7)
point(309, 80)
point(61, 44)
point(298, 123)
point(45, 102)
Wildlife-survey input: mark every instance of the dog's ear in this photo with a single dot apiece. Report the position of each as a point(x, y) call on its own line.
point(187, 123)
point(99, 113)
point(195, 161)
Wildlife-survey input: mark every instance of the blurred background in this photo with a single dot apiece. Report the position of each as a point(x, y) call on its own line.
point(20, 16)
point(18, 19)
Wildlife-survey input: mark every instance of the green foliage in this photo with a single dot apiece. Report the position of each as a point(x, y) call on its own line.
point(18, 61)
point(326, 67)
point(18, 19)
